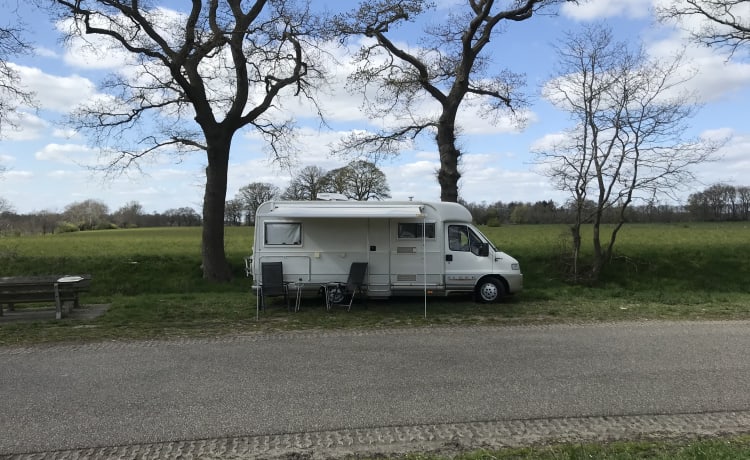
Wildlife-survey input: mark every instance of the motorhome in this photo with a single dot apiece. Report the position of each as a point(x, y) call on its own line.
point(410, 247)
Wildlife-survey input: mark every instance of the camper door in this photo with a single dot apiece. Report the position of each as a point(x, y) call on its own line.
point(466, 257)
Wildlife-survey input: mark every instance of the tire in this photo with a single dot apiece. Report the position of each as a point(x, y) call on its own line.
point(490, 290)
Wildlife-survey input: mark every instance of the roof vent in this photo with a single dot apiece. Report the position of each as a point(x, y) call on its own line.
point(325, 196)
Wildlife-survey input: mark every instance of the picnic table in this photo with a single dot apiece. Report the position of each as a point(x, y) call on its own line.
point(60, 289)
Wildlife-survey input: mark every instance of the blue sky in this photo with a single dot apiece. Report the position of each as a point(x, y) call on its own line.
point(46, 163)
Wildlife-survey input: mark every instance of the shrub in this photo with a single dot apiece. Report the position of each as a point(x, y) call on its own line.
point(66, 227)
point(106, 226)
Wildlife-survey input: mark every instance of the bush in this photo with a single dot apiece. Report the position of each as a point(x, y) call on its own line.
point(106, 226)
point(66, 227)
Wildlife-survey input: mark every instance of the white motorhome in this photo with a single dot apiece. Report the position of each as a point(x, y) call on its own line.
point(410, 248)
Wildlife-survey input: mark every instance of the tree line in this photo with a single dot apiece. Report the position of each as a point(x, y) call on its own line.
point(719, 202)
point(93, 215)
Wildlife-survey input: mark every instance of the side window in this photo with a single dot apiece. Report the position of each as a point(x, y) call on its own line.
point(458, 238)
point(408, 230)
point(283, 233)
point(462, 238)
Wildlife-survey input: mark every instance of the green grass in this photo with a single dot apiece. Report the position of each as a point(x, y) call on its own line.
point(730, 448)
point(152, 279)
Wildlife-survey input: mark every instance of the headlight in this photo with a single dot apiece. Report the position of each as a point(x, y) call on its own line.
point(515, 267)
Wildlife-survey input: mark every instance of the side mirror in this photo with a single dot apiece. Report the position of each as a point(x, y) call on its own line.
point(484, 250)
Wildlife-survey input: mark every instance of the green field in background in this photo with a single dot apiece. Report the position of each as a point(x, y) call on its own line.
point(151, 277)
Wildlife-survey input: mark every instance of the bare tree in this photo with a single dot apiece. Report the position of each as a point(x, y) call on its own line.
point(628, 140)
point(182, 217)
point(359, 180)
point(743, 197)
point(253, 195)
point(195, 80)
point(722, 23)
point(337, 180)
point(306, 185)
point(128, 215)
point(233, 212)
point(720, 202)
point(448, 67)
point(12, 95)
point(294, 192)
point(87, 214)
point(5, 206)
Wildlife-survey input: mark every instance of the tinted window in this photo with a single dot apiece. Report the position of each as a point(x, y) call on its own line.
point(286, 233)
point(414, 230)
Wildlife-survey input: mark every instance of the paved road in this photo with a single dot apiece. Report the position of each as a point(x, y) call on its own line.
point(377, 388)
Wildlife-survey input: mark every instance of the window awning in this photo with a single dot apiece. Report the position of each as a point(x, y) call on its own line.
point(318, 210)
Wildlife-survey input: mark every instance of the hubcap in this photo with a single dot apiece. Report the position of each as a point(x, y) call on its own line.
point(488, 292)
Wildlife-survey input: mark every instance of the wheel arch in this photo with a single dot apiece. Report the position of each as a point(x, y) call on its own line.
point(498, 278)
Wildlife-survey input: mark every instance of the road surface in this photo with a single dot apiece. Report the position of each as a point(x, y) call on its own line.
point(329, 393)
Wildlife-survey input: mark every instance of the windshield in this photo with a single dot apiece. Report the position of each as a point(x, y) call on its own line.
point(485, 239)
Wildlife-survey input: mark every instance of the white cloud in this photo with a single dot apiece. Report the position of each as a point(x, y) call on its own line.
point(699, 25)
point(23, 126)
point(413, 179)
point(472, 121)
point(45, 52)
point(59, 94)
point(63, 174)
point(92, 52)
point(715, 75)
point(66, 154)
point(733, 154)
point(66, 133)
point(549, 142)
point(589, 10)
point(12, 175)
point(717, 134)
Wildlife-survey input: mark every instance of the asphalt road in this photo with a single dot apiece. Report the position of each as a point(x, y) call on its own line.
point(123, 393)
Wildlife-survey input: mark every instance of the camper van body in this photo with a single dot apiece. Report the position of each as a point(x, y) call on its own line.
point(411, 248)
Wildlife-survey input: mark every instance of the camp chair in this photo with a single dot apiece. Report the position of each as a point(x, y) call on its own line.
point(337, 292)
point(273, 284)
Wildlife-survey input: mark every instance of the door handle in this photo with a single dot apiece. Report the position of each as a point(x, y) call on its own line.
point(449, 257)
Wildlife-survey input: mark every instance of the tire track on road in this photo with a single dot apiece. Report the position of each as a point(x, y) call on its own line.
point(423, 438)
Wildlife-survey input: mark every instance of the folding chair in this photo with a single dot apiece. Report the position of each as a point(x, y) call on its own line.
point(355, 283)
point(272, 283)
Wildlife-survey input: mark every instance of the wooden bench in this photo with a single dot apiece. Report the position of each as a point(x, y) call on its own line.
point(46, 288)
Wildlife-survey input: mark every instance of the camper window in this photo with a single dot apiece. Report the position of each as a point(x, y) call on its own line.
point(462, 238)
point(286, 233)
point(414, 230)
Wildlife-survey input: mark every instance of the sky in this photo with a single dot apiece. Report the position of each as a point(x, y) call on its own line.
point(48, 165)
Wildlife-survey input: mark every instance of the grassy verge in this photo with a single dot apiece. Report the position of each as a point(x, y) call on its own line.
point(151, 278)
point(695, 449)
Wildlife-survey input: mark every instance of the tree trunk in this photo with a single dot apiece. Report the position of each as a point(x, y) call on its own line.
point(215, 264)
point(575, 231)
point(599, 260)
point(448, 174)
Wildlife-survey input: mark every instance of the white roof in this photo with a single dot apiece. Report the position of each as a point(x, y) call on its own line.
point(339, 209)
point(453, 212)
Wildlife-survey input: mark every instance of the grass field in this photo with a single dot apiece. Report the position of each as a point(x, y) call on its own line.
point(697, 449)
point(152, 279)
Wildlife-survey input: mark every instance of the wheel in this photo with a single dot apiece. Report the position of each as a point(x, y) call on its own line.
point(490, 290)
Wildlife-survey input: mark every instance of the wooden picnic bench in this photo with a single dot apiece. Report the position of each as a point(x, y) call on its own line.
point(60, 289)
